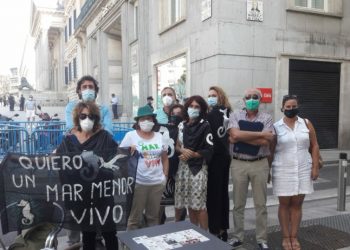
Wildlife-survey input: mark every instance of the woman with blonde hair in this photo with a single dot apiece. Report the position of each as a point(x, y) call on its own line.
point(219, 166)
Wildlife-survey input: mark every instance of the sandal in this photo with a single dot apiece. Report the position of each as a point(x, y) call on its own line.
point(286, 243)
point(295, 243)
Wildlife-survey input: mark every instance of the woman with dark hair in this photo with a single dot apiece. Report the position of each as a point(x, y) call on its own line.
point(152, 168)
point(219, 166)
point(87, 135)
point(195, 147)
point(293, 168)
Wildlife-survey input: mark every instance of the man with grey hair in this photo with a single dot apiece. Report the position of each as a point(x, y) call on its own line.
point(251, 131)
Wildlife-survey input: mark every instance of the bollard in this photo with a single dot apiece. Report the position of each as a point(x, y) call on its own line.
point(342, 175)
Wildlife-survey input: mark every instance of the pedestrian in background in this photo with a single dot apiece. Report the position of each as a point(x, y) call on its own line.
point(293, 168)
point(152, 168)
point(219, 166)
point(114, 102)
point(21, 103)
point(195, 147)
point(251, 131)
point(30, 108)
point(11, 101)
point(150, 102)
point(168, 98)
point(87, 90)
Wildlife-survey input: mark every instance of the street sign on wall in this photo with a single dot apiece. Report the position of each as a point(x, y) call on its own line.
point(266, 95)
point(255, 10)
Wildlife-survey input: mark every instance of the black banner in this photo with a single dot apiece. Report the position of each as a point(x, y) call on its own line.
point(87, 191)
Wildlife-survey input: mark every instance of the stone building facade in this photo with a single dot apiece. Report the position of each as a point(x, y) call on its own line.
point(135, 48)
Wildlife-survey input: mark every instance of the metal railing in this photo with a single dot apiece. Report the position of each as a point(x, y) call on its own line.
point(41, 137)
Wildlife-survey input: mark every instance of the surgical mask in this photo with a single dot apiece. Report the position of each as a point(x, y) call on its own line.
point(86, 124)
point(252, 104)
point(88, 95)
point(146, 126)
point(167, 100)
point(212, 101)
point(175, 119)
point(193, 113)
point(291, 113)
point(30, 99)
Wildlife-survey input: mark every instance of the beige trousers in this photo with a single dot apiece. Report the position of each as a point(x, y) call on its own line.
point(146, 198)
point(256, 173)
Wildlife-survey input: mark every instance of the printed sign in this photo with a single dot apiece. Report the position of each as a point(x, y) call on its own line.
point(266, 95)
point(88, 190)
point(255, 10)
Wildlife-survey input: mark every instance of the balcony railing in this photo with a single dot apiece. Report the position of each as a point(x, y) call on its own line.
point(83, 12)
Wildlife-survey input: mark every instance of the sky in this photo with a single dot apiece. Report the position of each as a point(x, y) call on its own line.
point(14, 28)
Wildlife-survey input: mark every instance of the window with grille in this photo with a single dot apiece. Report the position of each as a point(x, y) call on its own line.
point(171, 12)
point(312, 4)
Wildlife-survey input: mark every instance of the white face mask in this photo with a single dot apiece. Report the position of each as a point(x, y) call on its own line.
point(146, 125)
point(167, 100)
point(86, 124)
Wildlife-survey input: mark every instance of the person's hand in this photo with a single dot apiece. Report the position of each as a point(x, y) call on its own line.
point(314, 173)
point(269, 177)
point(268, 135)
point(188, 153)
point(132, 149)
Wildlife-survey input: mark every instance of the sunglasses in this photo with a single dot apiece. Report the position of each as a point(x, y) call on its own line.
point(288, 97)
point(254, 97)
point(84, 116)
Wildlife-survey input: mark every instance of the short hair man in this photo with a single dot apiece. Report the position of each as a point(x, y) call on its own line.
point(114, 102)
point(30, 108)
point(87, 90)
point(251, 131)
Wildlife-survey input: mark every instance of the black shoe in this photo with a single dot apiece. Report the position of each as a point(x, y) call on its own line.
point(235, 243)
point(263, 246)
point(223, 236)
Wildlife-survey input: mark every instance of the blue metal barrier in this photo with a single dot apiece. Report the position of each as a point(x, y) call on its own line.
point(45, 141)
point(120, 129)
point(41, 137)
point(13, 139)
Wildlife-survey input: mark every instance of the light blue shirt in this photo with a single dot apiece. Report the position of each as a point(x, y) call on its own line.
point(162, 117)
point(106, 117)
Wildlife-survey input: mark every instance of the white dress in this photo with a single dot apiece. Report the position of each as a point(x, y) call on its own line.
point(292, 163)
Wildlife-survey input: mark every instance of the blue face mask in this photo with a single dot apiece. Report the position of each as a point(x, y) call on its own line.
point(193, 113)
point(212, 101)
point(88, 95)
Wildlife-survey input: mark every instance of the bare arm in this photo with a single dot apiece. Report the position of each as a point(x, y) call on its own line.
point(165, 162)
point(315, 151)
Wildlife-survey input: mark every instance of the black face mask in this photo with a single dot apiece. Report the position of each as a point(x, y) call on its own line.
point(175, 119)
point(291, 113)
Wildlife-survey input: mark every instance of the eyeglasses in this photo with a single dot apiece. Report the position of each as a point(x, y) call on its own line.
point(84, 116)
point(248, 97)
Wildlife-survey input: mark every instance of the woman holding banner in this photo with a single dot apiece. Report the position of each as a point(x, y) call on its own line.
point(152, 169)
point(88, 136)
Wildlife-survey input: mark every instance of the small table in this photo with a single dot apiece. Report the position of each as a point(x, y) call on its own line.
point(172, 235)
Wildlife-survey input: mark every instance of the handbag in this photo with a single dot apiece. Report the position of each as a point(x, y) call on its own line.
point(320, 160)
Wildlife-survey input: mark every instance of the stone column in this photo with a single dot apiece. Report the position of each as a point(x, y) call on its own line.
point(127, 83)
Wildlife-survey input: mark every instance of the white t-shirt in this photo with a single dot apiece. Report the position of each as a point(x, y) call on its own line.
point(150, 167)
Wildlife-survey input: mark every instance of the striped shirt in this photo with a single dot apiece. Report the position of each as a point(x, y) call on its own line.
point(262, 117)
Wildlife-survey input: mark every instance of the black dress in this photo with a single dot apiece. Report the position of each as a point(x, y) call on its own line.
point(100, 142)
point(218, 172)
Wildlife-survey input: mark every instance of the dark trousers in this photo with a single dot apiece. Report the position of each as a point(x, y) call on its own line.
point(89, 240)
point(115, 111)
point(217, 193)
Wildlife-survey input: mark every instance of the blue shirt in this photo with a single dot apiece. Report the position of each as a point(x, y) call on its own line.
point(162, 117)
point(106, 118)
